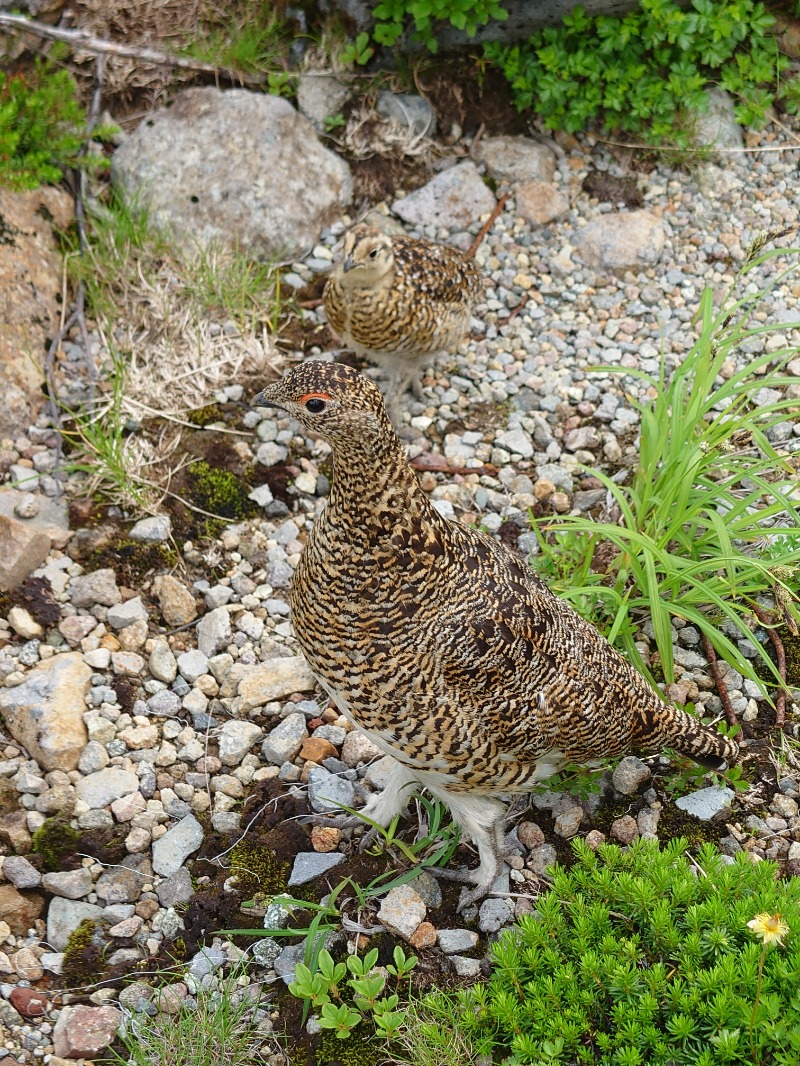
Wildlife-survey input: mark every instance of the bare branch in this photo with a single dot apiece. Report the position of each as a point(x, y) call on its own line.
point(82, 40)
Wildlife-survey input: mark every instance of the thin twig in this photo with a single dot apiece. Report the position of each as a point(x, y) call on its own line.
point(498, 207)
point(722, 688)
point(780, 655)
point(81, 40)
point(699, 151)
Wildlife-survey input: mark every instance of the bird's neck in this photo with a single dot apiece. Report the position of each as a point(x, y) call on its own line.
point(373, 487)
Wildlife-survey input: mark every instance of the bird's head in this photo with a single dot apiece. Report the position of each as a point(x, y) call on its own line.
point(367, 257)
point(332, 400)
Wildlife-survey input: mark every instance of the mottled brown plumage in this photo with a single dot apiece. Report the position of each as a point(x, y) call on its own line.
point(400, 301)
point(441, 644)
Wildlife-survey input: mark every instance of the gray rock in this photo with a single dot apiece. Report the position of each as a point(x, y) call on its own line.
point(402, 910)
point(541, 858)
point(409, 110)
point(99, 789)
point(193, 664)
point(327, 792)
point(454, 199)
point(174, 848)
point(516, 440)
point(265, 951)
point(20, 872)
point(63, 918)
point(428, 889)
point(214, 631)
point(225, 821)
point(452, 941)
point(262, 495)
point(242, 167)
point(706, 802)
point(320, 96)
point(715, 124)
point(162, 663)
point(175, 889)
point(620, 241)
point(125, 614)
point(311, 864)
point(206, 961)
point(124, 883)
point(285, 965)
point(71, 884)
point(465, 967)
point(94, 757)
point(98, 587)
point(494, 914)
point(568, 822)
point(630, 774)
point(284, 741)
point(136, 997)
point(236, 738)
point(153, 530)
point(516, 159)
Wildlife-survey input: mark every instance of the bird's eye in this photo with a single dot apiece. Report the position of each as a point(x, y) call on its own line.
point(315, 405)
point(373, 253)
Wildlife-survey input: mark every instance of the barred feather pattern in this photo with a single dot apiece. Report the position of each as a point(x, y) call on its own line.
point(441, 644)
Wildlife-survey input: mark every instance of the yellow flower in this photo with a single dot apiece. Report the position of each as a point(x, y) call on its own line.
point(770, 928)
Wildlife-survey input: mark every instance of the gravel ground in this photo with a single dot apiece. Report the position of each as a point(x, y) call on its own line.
point(169, 706)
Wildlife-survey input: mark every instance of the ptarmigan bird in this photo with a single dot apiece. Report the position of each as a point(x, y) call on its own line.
point(442, 645)
point(400, 301)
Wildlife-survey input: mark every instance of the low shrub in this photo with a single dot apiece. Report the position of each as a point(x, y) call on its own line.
point(638, 957)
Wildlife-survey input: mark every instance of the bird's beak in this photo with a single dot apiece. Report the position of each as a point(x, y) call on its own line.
point(348, 264)
point(264, 399)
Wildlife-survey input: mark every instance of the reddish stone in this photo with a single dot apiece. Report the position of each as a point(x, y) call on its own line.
point(315, 749)
point(81, 1032)
point(424, 936)
point(29, 1002)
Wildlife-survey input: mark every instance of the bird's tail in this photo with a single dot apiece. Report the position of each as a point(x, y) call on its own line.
point(676, 729)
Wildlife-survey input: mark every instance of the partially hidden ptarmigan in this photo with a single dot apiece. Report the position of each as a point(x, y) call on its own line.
point(400, 301)
point(442, 645)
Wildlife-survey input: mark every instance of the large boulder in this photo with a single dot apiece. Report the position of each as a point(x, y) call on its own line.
point(45, 713)
point(524, 18)
point(620, 241)
point(30, 294)
point(237, 167)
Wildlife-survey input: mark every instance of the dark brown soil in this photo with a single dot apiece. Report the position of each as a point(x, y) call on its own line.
point(463, 91)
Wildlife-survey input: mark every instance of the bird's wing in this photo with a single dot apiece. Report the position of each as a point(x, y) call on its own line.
point(533, 672)
point(441, 272)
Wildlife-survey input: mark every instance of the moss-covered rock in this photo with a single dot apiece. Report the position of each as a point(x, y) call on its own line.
point(359, 1049)
point(220, 493)
point(258, 871)
point(54, 840)
point(83, 955)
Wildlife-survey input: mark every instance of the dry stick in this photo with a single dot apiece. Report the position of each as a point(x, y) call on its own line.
point(80, 218)
point(780, 655)
point(81, 40)
point(498, 207)
point(722, 688)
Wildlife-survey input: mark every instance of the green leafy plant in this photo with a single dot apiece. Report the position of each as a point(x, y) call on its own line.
point(646, 72)
point(393, 16)
point(637, 957)
point(334, 122)
point(359, 51)
point(42, 126)
point(708, 522)
point(323, 990)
